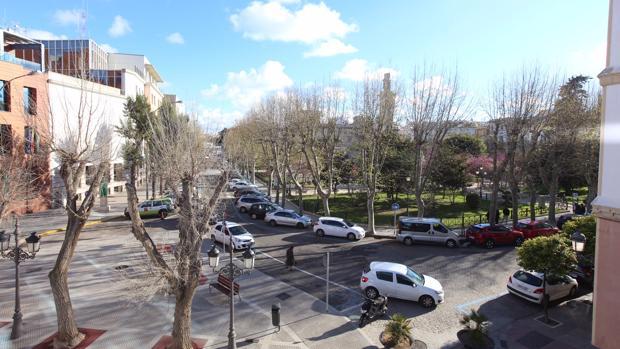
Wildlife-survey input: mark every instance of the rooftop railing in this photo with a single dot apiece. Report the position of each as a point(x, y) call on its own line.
point(24, 63)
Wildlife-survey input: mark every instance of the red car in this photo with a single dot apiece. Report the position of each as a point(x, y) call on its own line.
point(489, 236)
point(534, 229)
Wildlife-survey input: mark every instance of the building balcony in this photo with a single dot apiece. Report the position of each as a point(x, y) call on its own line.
point(24, 63)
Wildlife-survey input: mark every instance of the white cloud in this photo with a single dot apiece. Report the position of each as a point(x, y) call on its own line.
point(38, 34)
point(330, 47)
point(311, 24)
point(67, 17)
point(108, 48)
point(216, 119)
point(120, 26)
point(359, 69)
point(246, 88)
point(175, 38)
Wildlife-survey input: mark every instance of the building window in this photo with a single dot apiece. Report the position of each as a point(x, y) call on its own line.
point(6, 139)
point(5, 96)
point(30, 101)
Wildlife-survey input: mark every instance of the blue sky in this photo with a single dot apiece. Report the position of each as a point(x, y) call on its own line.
point(222, 56)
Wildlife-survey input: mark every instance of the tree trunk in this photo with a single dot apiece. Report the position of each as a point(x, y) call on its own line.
point(253, 171)
point(68, 334)
point(493, 204)
point(532, 204)
point(420, 203)
point(325, 200)
point(270, 183)
point(592, 189)
point(284, 193)
point(153, 180)
point(370, 205)
point(181, 327)
point(417, 178)
point(514, 193)
point(553, 193)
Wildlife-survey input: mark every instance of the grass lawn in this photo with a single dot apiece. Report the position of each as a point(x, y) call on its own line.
point(353, 208)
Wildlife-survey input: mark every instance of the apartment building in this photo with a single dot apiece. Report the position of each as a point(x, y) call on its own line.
point(78, 73)
point(24, 118)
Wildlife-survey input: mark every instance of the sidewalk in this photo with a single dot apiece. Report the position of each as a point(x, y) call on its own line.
point(573, 331)
point(105, 299)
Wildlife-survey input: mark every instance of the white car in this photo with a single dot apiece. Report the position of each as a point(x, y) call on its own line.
point(335, 226)
point(239, 185)
point(241, 238)
point(529, 285)
point(287, 217)
point(398, 281)
point(244, 203)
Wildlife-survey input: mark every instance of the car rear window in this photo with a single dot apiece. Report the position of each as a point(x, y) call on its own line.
point(528, 278)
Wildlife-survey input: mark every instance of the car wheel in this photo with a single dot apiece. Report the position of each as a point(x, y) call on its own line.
point(362, 320)
point(242, 209)
point(572, 292)
point(451, 243)
point(254, 216)
point(320, 233)
point(408, 241)
point(300, 225)
point(371, 292)
point(163, 214)
point(489, 243)
point(273, 223)
point(427, 301)
point(519, 241)
point(351, 236)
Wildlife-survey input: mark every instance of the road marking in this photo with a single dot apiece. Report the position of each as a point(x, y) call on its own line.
point(313, 275)
point(462, 307)
point(59, 230)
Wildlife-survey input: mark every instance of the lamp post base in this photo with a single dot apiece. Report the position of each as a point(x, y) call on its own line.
point(17, 325)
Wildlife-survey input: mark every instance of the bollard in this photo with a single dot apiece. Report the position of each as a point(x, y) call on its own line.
point(275, 315)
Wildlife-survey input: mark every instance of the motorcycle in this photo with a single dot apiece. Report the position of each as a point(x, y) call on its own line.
point(373, 308)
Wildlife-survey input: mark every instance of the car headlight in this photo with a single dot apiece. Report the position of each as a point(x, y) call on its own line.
point(439, 293)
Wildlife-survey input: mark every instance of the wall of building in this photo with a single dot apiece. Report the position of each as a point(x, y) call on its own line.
point(18, 119)
point(103, 103)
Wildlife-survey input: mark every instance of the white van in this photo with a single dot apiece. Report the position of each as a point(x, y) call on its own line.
point(425, 230)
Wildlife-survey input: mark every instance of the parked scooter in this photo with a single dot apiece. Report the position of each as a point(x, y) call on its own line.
point(373, 308)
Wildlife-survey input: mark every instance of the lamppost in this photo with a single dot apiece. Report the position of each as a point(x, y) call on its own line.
point(408, 179)
point(231, 271)
point(579, 241)
point(481, 174)
point(18, 255)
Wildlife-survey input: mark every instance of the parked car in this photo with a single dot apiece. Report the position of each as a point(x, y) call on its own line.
point(534, 229)
point(245, 202)
point(490, 235)
point(238, 184)
point(248, 191)
point(243, 185)
point(287, 217)
point(425, 230)
point(158, 207)
point(259, 210)
point(399, 281)
point(241, 238)
point(529, 285)
point(583, 271)
point(335, 226)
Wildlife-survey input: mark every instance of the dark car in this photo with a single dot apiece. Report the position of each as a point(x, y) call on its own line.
point(259, 210)
point(490, 235)
point(563, 219)
point(583, 271)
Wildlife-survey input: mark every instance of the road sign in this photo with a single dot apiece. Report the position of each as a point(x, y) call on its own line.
point(395, 206)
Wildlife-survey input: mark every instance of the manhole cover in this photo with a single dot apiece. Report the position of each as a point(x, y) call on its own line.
point(121, 267)
point(283, 296)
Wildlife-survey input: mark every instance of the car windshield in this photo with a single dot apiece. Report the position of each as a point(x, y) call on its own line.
point(295, 215)
point(417, 278)
point(349, 224)
point(237, 230)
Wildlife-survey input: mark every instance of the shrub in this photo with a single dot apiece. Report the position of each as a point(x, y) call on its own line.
point(398, 330)
point(586, 226)
point(472, 202)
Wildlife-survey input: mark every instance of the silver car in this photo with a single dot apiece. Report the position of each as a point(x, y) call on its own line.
point(425, 230)
point(287, 217)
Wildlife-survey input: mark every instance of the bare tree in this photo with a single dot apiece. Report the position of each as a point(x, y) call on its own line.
point(172, 138)
point(318, 115)
point(434, 103)
point(514, 102)
point(374, 108)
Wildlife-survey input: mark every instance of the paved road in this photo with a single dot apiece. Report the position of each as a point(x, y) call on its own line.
point(472, 277)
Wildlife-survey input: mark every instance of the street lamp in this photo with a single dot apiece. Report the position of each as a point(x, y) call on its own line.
point(408, 179)
point(18, 255)
point(481, 174)
point(231, 271)
point(578, 240)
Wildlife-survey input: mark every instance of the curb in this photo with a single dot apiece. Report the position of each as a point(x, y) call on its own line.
point(87, 224)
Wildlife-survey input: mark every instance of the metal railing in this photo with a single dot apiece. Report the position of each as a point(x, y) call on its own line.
point(24, 63)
